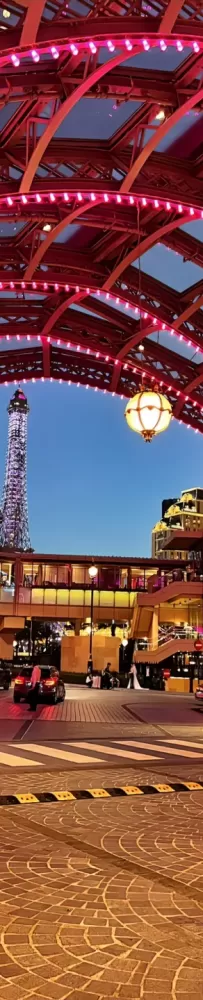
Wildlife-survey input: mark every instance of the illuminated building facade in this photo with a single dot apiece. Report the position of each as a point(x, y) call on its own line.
point(157, 603)
point(14, 526)
point(179, 516)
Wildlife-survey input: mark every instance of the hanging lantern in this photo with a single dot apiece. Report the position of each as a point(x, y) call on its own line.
point(148, 413)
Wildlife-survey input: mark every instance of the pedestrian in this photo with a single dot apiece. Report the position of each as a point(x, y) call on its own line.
point(89, 676)
point(34, 690)
point(133, 681)
point(89, 679)
point(106, 676)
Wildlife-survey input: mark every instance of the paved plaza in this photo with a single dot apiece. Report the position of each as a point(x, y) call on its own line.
point(103, 897)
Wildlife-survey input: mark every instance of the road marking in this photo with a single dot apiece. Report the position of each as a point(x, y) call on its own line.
point(14, 761)
point(111, 750)
point(76, 758)
point(187, 743)
point(160, 749)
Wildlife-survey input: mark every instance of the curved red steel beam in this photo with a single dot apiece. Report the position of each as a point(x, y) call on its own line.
point(170, 16)
point(45, 244)
point(199, 377)
point(139, 336)
point(69, 219)
point(32, 21)
point(133, 255)
point(62, 113)
point(63, 363)
point(189, 388)
point(75, 297)
point(146, 244)
point(189, 311)
point(157, 137)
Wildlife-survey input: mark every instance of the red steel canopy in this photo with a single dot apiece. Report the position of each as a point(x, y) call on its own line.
point(101, 160)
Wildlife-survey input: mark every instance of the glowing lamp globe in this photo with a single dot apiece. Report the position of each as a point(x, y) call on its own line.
point(92, 572)
point(148, 413)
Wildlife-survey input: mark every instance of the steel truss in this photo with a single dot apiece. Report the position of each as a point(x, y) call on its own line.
point(124, 195)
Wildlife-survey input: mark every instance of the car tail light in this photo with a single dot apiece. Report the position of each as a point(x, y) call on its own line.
point(49, 683)
point(19, 680)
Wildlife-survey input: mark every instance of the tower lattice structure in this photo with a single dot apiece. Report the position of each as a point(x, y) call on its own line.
point(14, 526)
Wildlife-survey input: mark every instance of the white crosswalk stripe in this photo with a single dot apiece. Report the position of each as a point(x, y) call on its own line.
point(67, 755)
point(183, 743)
point(13, 760)
point(81, 752)
point(113, 751)
point(163, 748)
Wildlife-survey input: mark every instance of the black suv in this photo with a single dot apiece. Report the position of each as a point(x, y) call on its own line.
point(51, 687)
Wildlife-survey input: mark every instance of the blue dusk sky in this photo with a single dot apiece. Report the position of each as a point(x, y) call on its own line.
point(94, 486)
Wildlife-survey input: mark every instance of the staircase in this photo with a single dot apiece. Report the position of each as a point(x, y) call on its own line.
point(165, 649)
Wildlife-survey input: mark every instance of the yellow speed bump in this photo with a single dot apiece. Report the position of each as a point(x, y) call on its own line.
point(163, 788)
point(98, 793)
point(64, 796)
point(132, 790)
point(192, 785)
point(26, 797)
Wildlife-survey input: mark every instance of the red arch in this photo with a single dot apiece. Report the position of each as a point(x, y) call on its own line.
point(170, 16)
point(45, 244)
point(156, 138)
point(142, 248)
point(62, 113)
point(199, 377)
point(32, 21)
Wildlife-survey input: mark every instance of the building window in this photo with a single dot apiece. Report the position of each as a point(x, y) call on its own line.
point(78, 575)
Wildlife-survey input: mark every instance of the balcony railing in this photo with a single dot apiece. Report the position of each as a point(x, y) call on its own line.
point(75, 597)
point(172, 634)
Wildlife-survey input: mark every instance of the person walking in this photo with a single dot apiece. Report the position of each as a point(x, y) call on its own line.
point(133, 680)
point(34, 690)
point(106, 677)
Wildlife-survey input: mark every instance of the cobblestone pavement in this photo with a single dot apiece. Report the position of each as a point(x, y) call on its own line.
point(101, 899)
point(104, 899)
point(107, 712)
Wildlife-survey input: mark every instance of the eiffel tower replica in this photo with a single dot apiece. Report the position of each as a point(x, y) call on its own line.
point(14, 525)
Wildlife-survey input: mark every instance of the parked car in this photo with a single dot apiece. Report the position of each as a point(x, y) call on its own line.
point(5, 675)
point(199, 697)
point(51, 688)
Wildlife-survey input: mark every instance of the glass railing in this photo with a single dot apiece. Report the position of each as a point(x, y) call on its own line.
point(70, 597)
point(171, 636)
point(7, 594)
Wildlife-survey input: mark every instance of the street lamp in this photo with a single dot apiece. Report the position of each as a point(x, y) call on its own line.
point(92, 574)
point(148, 413)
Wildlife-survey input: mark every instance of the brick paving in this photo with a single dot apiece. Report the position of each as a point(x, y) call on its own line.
point(83, 707)
point(101, 899)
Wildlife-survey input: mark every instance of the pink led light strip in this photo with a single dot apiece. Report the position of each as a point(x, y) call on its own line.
point(129, 366)
point(48, 286)
point(95, 388)
point(106, 198)
point(94, 44)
